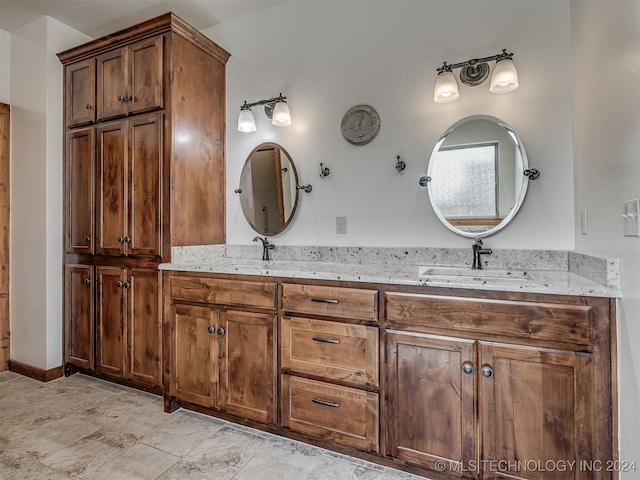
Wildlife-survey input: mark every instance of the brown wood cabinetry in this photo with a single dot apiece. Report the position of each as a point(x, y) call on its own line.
point(80, 92)
point(128, 331)
point(130, 79)
point(134, 187)
point(223, 357)
point(78, 303)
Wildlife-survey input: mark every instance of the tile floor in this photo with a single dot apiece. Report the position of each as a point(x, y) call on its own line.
point(83, 428)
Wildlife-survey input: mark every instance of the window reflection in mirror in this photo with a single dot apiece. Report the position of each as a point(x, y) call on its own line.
point(477, 181)
point(268, 194)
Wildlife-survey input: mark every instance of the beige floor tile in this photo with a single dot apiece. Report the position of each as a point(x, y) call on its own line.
point(81, 457)
point(140, 462)
point(331, 468)
point(37, 472)
point(282, 460)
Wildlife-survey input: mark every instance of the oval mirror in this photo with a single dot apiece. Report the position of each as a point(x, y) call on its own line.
point(268, 194)
point(476, 176)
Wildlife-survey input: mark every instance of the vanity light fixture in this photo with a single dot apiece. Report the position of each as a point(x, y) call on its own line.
point(275, 108)
point(474, 72)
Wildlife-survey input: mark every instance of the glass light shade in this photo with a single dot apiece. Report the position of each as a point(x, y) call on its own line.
point(281, 115)
point(504, 78)
point(246, 122)
point(446, 89)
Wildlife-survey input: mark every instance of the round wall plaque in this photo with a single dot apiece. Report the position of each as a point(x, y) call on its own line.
point(360, 124)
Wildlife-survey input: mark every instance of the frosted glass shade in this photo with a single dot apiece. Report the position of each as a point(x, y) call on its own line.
point(281, 115)
point(504, 78)
point(246, 122)
point(446, 89)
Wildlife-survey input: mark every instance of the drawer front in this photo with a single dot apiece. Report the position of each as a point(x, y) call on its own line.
point(543, 321)
point(333, 350)
point(337, 302)
point(221, 291)
point(338, 414)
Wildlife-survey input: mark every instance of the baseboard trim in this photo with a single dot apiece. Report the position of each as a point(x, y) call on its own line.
point(34, 372)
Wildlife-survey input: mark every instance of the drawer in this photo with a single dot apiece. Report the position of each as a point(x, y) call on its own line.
point(338, 351)
point(340, 302)
point(338, 414)
point(544, 321)
point(205, 289)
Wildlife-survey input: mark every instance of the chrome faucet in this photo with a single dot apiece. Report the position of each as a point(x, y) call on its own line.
point(478, 250)
point(266, 246)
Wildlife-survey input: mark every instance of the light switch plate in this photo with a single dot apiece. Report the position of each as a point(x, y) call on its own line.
point(341, 225)
point(583, 221)
point(630, 218)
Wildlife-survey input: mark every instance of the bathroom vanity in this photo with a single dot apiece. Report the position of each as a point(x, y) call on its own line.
point(443, 372)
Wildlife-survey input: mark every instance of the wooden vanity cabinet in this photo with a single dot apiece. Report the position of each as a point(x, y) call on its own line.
point(128, 332)
point(79, 335)
point(223, 355)
point(515, 390)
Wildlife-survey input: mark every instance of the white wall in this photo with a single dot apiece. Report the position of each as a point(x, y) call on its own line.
point(36, 191)
point(5, 65)
point(328, 56)
point(606, 67)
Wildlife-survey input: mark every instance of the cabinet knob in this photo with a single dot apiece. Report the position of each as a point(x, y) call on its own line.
point(487, 372)
point(210, 329)
point(87, 281)
point(87, 238)
point(220, 331)
point(126, 285)
point(127, 239)
point(120, 98)
point(120, 239)
point(88, 106)
point(467, 368)
point(119, 284)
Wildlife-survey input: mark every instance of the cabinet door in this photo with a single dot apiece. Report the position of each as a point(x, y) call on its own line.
point(431, 401)
point(111, 212)
point(111, 320)
point(80, 191)
point(145, 183)
point(193, 356)
point(146, 77)
point(143, 365)
point(535, 409)
point(112, 83)
point(80, 92)
point(79, 316)
point(247, 365)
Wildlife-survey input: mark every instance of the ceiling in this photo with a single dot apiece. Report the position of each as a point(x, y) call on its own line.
point(102, 17)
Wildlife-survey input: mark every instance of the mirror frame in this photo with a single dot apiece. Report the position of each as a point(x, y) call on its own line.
point(523, 190)
point(264, 146)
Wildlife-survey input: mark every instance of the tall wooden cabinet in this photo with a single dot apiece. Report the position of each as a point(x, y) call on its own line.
point(144, 171)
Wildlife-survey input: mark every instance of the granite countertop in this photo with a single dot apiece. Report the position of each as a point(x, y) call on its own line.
point(586, 279)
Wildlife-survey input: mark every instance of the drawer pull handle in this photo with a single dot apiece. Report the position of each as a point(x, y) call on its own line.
point(326, 340)
point(326, 404)
point(325, 300)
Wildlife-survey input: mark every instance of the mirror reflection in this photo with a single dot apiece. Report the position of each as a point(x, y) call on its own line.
point(477, 180)
point(268, 194)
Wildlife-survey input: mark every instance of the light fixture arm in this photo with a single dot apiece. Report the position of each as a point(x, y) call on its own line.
point(274, 100)
point(475, 61)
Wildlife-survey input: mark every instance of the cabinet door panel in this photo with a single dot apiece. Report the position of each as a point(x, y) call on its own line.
point(194, 367)
point(79, 316)
point(247, 365)
point(80, 191)
point(111, 320)
point(112, 189)
point(144, 327)
point(431, 400)
point(535, 409)
point(112, 81)
point(80, 92)
point(146, 75)
point(145, 174)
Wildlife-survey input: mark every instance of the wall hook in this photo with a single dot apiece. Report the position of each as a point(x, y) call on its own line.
point(400, 164)
point(324, 171)
point(306, 188)
point(532, 173)
point(423, 180)
point(238, 190)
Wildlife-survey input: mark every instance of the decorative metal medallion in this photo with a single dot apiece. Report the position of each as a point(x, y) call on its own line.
point(360, 124)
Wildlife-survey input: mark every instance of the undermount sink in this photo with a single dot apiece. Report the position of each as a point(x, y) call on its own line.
point(477, 275)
